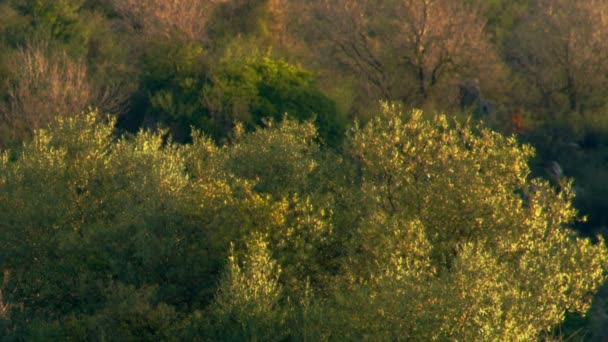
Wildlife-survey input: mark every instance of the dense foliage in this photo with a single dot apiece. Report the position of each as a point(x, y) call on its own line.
point(244, 184)
point(427, 230)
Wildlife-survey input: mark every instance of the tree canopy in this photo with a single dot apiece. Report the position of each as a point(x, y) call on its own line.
point(232, 176)
point(421, 228)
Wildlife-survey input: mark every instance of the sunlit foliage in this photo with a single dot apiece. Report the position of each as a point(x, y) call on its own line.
point(428, 230)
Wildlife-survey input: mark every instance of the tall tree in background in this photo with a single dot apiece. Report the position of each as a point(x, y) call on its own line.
point(47, 84)
point(404, 50)
point(187, 17)
point(560, 49)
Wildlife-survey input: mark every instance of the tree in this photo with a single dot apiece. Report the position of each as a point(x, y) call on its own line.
point(452, 206)
point(559, 53)
point(165, 18)
point(261, 88)
point(560, 50)
point(503, 16)
point(405, 50)
point(47, 83)
point(418, 229)
point(247, 304)
point(184, 92)
point(85, 219)
point(52, 19)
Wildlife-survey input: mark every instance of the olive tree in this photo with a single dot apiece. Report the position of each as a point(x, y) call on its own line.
point(456, 240)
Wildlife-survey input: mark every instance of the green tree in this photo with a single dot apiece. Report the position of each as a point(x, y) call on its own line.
point(83, 212)
point(247, 305)
point(184, 91)
point(491, 246)
point(419, 229)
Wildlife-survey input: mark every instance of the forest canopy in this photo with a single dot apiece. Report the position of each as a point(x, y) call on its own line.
point(303, 170)
point(422, 229)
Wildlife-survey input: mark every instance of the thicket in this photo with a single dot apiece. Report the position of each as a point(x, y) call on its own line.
point(245, 148)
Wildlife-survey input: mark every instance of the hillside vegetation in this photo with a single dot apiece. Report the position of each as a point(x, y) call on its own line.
point(303, 170)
